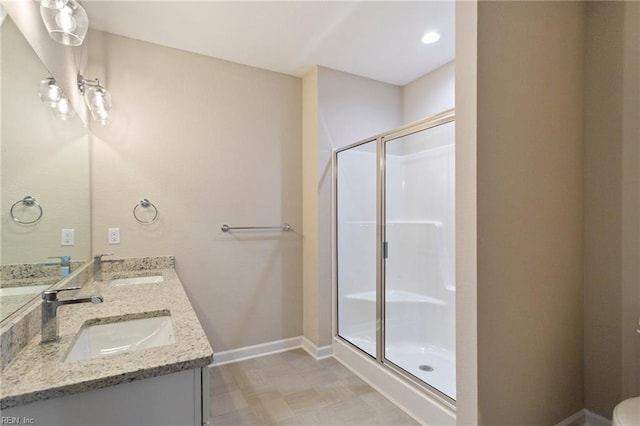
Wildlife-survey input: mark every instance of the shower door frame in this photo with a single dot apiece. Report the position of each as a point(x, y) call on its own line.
point(381, 140)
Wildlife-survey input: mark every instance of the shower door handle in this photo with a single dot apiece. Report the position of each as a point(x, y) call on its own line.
point(385, 249)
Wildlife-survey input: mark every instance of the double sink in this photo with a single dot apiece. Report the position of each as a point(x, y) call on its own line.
point(129, 333)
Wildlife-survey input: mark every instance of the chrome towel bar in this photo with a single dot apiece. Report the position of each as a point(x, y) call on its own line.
point(284, 227)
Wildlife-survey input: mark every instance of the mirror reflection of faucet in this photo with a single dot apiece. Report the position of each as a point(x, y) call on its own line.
point(50, 305)
point(64, 263)
point(97, 265)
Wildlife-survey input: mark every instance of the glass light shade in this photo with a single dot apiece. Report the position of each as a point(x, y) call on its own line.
point(50, 93)
point(63, 109)
point(98, 100)
point(53, 4)
point(67, 25)
point(101, 116)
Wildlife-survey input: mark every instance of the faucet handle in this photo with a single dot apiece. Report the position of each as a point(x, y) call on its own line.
point(99, 257)
point(52, 295)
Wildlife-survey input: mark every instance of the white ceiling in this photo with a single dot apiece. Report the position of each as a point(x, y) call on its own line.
point(379, 40)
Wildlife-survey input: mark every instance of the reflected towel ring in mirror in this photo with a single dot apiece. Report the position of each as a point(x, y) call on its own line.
point(145, 204)
point(27, 201)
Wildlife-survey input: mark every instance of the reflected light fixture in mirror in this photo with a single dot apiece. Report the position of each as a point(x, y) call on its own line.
point(63, 109)
point(98, 99)
point(66, 21)
point(51, 94)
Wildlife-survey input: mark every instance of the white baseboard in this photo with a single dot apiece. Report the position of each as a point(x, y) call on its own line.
point(585, 418)
point(593, 419)
point(254, 351)
point(318, 352)
point(248, 352)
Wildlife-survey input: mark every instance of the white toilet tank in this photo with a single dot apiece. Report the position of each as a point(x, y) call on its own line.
point(627, 413)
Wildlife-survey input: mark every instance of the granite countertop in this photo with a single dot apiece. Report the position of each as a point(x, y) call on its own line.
point(39, 372)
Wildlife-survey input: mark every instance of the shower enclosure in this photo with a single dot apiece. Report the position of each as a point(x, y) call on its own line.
point(395, 265)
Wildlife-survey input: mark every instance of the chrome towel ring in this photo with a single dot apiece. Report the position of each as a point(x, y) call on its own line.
point(144, 203)
point(27, 201)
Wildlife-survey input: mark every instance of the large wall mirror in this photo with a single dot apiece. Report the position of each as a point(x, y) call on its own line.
point(46, 158)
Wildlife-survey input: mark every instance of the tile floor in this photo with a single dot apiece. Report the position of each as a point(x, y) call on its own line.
point(292, 388)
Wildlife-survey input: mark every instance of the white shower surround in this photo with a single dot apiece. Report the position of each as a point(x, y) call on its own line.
point(420, 294)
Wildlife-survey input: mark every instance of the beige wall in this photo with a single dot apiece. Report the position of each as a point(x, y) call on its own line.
point(466, 79)
point(347, 108)
point(612, 208)
point(603, 156)
point(631, 204)
point(311, 293)
point(530, 129)
point(209, 142)
point(41, 156)
point(430, 94)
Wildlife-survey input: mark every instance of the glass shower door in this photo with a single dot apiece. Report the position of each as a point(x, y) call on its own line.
point(419, 281)
point(356, 206)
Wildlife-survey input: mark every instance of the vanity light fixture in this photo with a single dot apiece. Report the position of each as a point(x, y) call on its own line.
point(51, 95)
point(98, 99)
point(66, 21)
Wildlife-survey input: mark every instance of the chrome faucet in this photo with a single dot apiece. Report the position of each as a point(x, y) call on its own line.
point(62, 261)
point(97, 265)
point(50, 305)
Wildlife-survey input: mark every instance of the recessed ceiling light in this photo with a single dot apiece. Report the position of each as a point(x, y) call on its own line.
point(430, 37)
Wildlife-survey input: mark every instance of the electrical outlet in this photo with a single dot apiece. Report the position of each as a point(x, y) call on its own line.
point(67, 237)
point(113, 236)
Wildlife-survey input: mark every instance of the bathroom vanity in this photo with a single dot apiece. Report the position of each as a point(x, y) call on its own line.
point(140, 357)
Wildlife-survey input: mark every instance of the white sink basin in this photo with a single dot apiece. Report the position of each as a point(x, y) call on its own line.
point(23, 290)
point(100, 340)
point(152, 279)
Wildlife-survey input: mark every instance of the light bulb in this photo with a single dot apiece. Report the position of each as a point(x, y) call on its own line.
point(98, 100)
point(53, 4)
point(65, 20)
point(50, 93)
point(63, 105)
point(53, 92)
point(63, 109)
point(101, 116)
